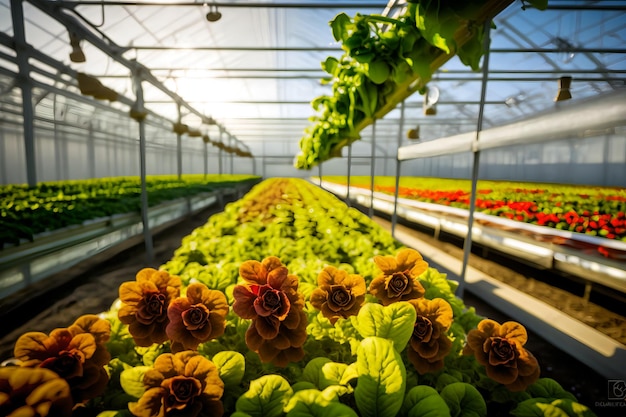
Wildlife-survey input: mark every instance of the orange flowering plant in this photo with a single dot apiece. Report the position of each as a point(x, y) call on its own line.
point(339, 294)
point(144, 305)
point(270, 298)
point(500, 349)
point(268, 312)
point(77, 354)
point(399, 278)
point(185, 383)
point(196, 318)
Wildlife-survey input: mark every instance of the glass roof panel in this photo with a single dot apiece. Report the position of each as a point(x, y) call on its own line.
point(256, 69)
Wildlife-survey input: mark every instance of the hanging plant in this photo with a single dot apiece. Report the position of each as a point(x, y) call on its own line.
point(385, 60)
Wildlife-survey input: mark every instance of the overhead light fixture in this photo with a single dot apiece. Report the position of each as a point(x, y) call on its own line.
point(431, 97)
point(213, 15)
point(413, 134)
point(564, 93)
point(77, 54)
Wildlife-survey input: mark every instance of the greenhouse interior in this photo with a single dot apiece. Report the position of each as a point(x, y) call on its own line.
point(313, 208)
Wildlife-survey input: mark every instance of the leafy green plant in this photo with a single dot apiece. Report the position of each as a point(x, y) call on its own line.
point(358, 365)
point(386, 60)
point(27, 211)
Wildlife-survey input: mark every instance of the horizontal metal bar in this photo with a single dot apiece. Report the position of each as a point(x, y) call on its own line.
point(337, 48)
point(111, 49)
point(565, 121)
point(236, 48)
point(560, 50)
point(441, 76)
point(169, 70)
point(586, 7)
point(311, 5)
point(448, 71)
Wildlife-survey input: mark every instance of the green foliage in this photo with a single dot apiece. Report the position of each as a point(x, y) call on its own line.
point(315, 403)
point(539, 407)
point(424, 401)
point(464, 400)
point(322, 373)
point(394, 322)
point(384, 61)
point(231, 366)
point(28, 211)
point(549, 389)
point(266, 397)
point(356, 367)
point(131, 380)
point(382, 378)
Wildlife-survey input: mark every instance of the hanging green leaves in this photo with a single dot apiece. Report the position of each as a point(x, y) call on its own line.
point(386, 60)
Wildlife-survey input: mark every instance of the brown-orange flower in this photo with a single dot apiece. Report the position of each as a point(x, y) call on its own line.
point(429, 343)
point(144, 305)
point(196, 318)
point(399, 280)
point(286, 346)
point(180, 384)
point(33, 392)
point(77, 354)
point(267, 295)
point(339, 294)
point(270, 298)
point(500, 349)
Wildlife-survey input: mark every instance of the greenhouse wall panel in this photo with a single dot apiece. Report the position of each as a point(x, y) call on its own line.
point(13, 168)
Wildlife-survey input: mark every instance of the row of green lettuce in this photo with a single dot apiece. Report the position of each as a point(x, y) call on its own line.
point(26, 211)
point(353, 367)
point(385, 60)
point(591, 210)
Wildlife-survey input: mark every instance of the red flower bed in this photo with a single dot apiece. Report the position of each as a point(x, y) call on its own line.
point(592, 216)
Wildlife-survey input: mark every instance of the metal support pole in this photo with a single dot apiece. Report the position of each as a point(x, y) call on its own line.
point(147, 236)
point(319, 173)
point(349, 175)
point(17, 16)
point(220, 153)
point(179, 148)
point(467, 246)
point(373, 169)
point(206, 159)
point(394, 217)
point(91, 150)
point(58, 164)
point(231, 142)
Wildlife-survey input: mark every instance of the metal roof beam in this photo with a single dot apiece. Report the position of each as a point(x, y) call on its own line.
point(109, 48)
point(247, 5)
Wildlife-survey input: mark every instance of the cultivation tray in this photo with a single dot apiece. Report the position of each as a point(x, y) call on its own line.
point(55, 251)
point(542, 246)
